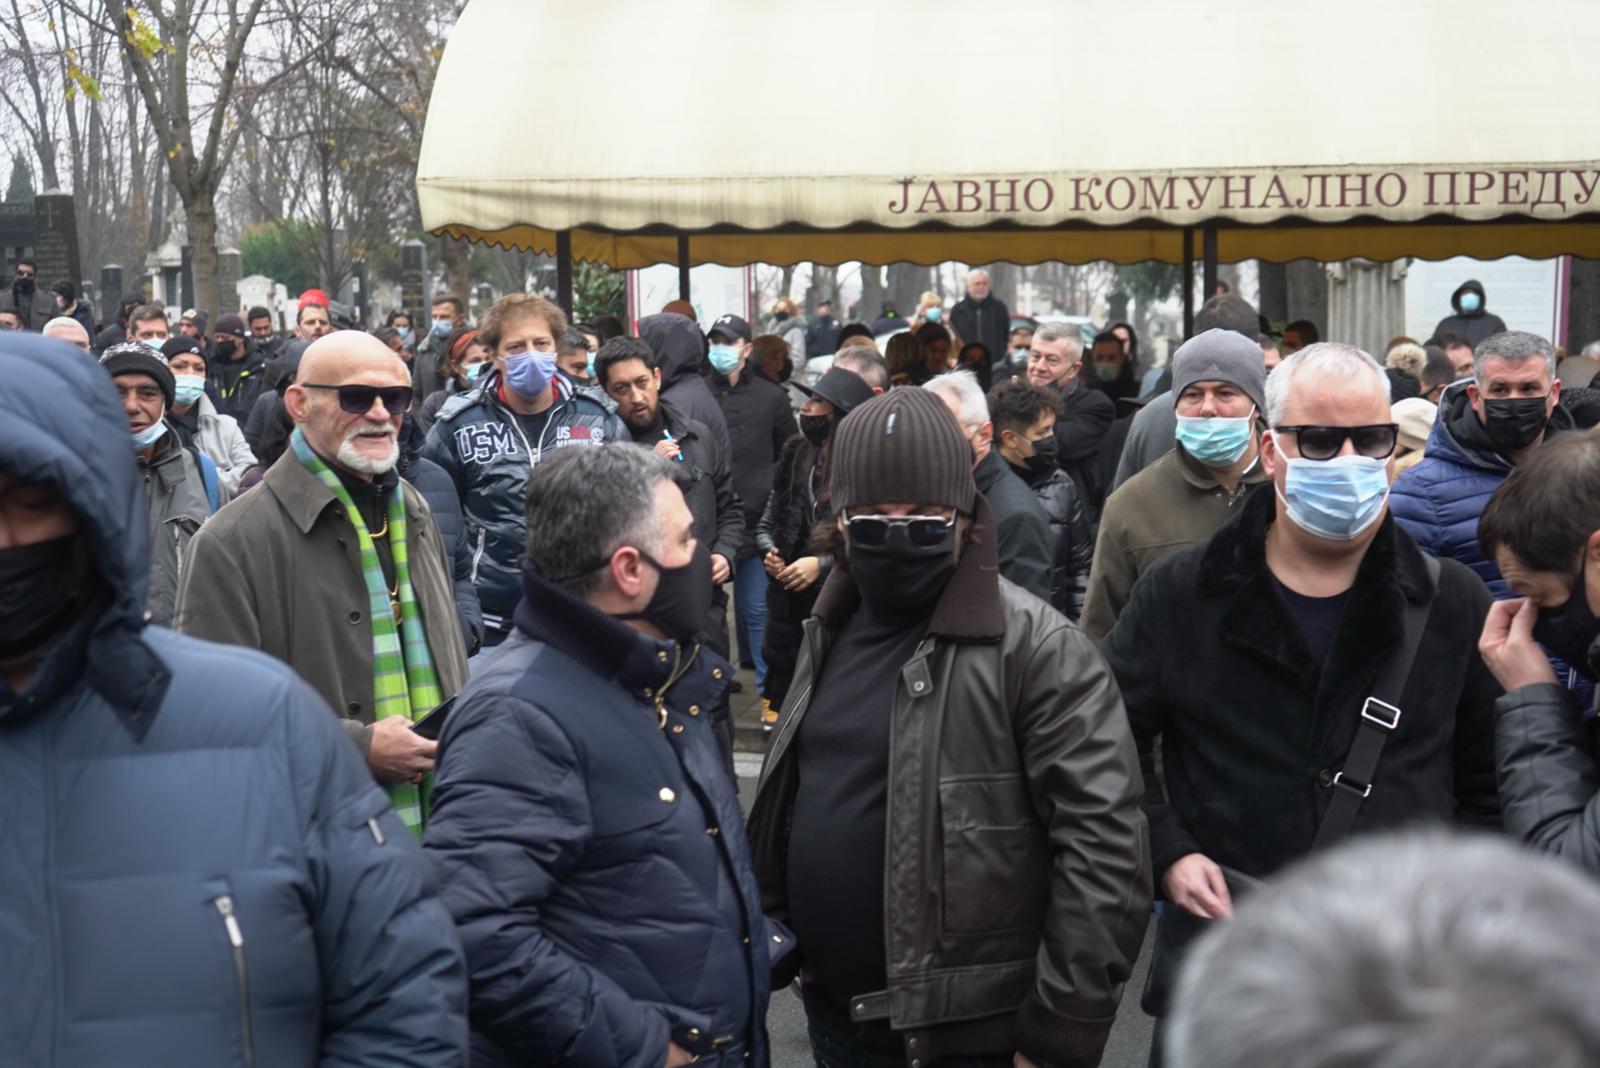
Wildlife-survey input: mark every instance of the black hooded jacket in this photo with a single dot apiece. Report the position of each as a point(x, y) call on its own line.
point(1475, 326)
point(680, 349)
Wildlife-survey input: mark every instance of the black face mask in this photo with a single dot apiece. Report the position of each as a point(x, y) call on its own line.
point(900, 578)
point(1043, 460)
point(1515, 423)
point(1569, 630)
point(681, 604)
point(226, 349)
point(23, 285)
point(42, 590)
point(816, 428)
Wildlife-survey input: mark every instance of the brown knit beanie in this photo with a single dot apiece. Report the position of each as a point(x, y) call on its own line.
point(902, 448)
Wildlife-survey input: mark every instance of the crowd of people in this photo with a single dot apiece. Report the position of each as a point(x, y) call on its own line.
point(375, 705)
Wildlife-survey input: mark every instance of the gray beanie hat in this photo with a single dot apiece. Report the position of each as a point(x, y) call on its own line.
point(1221, 356)
point(903, 447)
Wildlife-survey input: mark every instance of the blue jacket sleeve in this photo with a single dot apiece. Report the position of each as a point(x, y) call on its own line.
point(440, 448)
point(1411, 501)
point(394, 984)
point(510, 819)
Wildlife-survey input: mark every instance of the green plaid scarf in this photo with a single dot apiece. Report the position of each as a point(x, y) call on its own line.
point(404, 682)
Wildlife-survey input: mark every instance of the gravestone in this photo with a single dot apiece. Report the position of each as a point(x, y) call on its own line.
point(110, 292)
point(230, 269)
point(55, 244)
point(414, 278)
point(16, 233)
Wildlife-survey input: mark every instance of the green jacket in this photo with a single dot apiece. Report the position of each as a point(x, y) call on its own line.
point(1168, 506)
point(279, 570)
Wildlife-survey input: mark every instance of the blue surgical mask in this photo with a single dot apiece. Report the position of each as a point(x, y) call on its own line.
point(1336, 499)
point(1019, 357)
point(1470, 302)
point(149, 435)
point(1218, 441)
point(724, 358)
point(441, 327)
point(530, 372)
point(154, 345)
point(473, 371)
point(933, 315)
point(188, 389)
point(590, 371)
point(408, 337)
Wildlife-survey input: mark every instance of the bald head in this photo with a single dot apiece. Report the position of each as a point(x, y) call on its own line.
point(346, 370)
point(68, 329)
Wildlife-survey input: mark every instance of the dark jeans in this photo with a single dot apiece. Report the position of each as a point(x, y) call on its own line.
point(836, 1042)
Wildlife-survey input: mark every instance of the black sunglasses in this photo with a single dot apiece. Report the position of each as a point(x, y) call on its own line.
point(872, 531)
point(357, 400)
point(1375, 442)
point(24, 274)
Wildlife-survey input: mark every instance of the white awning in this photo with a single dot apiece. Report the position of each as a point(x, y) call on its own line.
point(1021, 129)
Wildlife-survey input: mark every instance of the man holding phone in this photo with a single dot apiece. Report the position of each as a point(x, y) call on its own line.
point(336, 566)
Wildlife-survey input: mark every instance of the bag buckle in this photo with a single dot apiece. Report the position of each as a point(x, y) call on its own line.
point(1381, 714)
point(1353, 787)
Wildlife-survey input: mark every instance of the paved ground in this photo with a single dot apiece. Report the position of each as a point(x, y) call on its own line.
point(1130, 1039)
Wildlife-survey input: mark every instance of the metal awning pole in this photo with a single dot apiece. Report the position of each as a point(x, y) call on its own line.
point(683, 266)
point(1188, 281)
point(564, 271)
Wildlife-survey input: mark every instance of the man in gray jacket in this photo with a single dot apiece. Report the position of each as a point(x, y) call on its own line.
point(180, 492)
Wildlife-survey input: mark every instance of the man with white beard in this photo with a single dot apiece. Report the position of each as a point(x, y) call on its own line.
point(336, 567)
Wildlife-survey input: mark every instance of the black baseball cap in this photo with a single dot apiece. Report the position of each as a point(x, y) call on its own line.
point(841, 388)
point(730, 326)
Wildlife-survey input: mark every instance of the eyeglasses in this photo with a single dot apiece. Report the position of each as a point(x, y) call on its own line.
point(925, 531)
point(1376, 442)
point(24, 274)
point(357, 400)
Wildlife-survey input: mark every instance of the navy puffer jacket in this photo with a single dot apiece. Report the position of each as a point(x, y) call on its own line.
point(593, 854)
point(197, 867)
point(430, 480)
point(480, 445)
point(1438, 501)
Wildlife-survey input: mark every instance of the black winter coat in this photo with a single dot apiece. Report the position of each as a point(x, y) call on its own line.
point(786, 527)
point(1080, 429)
point(1074, 541)
point(234, 385)
point(1210, 661)
point(988, 321)
point(1475, 327)
point(680, 349)
point(430, 480)
point(1022, 528)
point(718, 513)
point(591, 850)
point(760, 420)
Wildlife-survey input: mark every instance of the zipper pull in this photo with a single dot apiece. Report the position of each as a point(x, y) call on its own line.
point(230, 921)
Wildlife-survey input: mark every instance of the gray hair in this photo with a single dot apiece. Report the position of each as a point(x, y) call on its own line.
point(1062, 332)
point(1328, 358)
point(1513, 346)
point(1591, 351)
point(1400, 950)
point(973, 274)
point(64, 325)
point(585, 504)
point(962, 387)
point(864, 361)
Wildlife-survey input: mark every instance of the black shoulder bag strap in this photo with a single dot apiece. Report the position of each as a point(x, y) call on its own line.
point(1379, 718)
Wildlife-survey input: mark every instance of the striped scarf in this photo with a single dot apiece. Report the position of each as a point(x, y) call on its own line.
point(404, 682)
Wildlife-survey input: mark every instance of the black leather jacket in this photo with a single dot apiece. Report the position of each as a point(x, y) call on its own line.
point(1017, 874)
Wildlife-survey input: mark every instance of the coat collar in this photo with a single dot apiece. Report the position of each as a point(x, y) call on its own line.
point(604, 644)
point(1201, 477)
point(969, 609)
point(1256, 620)
point(303, 496)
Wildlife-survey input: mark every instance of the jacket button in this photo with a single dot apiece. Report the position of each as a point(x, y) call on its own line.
point(667, 795)
point(694, 710)
point(745, 940)
point(712, 831)
point(716, 673)
point(1325, 777)
point(778, 939)
point(911, 1044)
point(662, 656)
point(861, 1006)
point(918, 687)
point(354, 707)
point(693, 1034)
point(649, 692)
point(916, 1062)
point(677, 728)
point(355, 617)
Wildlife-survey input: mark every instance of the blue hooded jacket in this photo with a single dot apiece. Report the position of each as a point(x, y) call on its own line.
point(197, 867)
